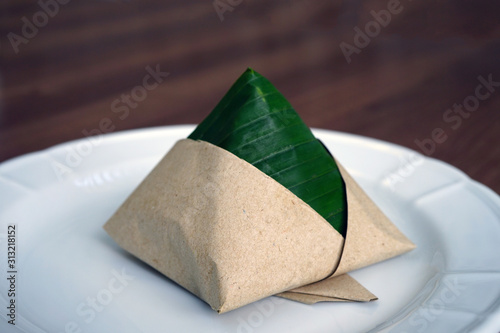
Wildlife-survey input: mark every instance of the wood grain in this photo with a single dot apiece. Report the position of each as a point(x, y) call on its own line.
point(398, 88)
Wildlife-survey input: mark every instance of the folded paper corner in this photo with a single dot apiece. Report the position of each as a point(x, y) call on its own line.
point(371, 237)
point(338, 288)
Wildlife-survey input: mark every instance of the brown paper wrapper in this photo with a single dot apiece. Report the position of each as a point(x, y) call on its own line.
point(231, 235)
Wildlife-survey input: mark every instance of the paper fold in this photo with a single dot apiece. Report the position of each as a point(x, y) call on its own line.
point(335, 289)
point(231, 235)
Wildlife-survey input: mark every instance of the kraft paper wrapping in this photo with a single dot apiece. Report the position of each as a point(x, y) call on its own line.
point(371, 237)
point(231, 235)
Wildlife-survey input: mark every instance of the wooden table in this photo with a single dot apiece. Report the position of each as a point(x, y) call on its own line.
point(403, 72)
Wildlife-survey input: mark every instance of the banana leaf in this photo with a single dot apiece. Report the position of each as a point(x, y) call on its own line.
point(255, 122)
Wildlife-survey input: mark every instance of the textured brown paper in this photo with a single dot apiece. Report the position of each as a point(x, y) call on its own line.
point(335, 289)
point(371, 237)
point(231, 235)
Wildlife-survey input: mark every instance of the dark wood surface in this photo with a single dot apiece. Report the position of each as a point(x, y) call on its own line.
point(398, 88)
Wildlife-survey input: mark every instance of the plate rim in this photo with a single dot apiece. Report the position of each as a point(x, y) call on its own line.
point(119, 135)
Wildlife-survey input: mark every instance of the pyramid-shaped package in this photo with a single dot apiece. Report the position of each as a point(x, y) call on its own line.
point(252, 205)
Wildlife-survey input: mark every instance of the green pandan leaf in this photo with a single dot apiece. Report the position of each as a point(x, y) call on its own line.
point(256, 123)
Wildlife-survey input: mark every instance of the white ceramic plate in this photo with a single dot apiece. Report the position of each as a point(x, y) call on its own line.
point(72, 277)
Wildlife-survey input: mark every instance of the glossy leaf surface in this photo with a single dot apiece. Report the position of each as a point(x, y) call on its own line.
point(255, 122)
